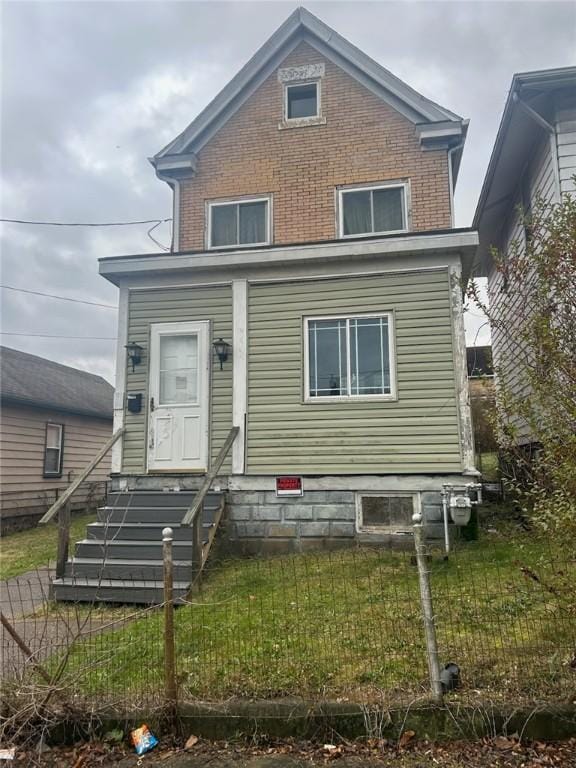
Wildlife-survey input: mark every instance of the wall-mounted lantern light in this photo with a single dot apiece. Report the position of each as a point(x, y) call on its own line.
point(222, 349)
point(134, 353)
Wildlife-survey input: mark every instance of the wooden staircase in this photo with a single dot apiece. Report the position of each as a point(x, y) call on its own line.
point(120, 560)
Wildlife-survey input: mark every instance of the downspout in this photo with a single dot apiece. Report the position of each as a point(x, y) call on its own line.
point(175, 186)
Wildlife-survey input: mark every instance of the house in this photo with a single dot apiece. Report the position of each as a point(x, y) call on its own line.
point(480, 372)
point(534, 158)
point(312, 299)
point(53, 420)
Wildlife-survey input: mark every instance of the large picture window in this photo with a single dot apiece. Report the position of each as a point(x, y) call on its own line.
point(53, 450)
point(240, 223)
point(349, 357)
point(373, 210)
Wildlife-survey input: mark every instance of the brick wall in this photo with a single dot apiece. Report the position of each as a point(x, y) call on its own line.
point(363, 140)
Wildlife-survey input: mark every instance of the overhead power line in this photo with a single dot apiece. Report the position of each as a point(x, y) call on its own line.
point(61, 298)
point(55, 336)
point(84, 223)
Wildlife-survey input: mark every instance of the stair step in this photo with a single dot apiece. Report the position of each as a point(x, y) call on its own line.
point(122, 568)
point(151, 532)
point(164, 515)
point(156, 498)
point(147, 592)
point(132, 549)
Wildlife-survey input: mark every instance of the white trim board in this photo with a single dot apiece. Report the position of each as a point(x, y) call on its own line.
point(239, 372)
point(464, 242)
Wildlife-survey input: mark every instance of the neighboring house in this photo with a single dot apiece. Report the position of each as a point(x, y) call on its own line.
point(534, 157)
point(53, 420)
point(313, 234)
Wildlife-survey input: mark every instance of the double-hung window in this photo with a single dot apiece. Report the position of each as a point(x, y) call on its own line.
point(53, 450)
point(373, 210)
point(239, 223)
point(349, 357)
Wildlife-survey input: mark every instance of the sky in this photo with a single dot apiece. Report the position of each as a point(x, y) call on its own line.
point(90, 90)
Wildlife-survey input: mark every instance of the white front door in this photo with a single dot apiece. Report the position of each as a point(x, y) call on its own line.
point(178, 421)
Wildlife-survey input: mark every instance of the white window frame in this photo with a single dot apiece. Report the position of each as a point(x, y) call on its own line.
point(351, 398)
point(404, 185)
point(309, 118)
point(388, 529)
point(58, 472)
point(210, 204)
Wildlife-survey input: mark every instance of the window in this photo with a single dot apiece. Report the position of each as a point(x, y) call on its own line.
point(302, 101)
point(349, 357)
point(53, 450)
point(238, 223)
point(385, 513)
point(375, 210)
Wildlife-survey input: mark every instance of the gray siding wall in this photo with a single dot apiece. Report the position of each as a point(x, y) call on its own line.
point(24, 490)
point(417, 433)
point(165, 305)
point(508, 354)
point(566, 138)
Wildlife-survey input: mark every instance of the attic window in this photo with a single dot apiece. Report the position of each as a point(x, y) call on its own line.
point(302, 101)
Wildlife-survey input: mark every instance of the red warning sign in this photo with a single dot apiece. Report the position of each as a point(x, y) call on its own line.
point(289, 486)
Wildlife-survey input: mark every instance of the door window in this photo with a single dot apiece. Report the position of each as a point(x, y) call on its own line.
point(178, 369)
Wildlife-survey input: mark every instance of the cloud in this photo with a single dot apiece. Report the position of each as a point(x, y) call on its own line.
point(92, 89)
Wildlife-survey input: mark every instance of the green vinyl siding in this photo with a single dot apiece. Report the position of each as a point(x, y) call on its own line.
point(417, 432)
point(169, 305)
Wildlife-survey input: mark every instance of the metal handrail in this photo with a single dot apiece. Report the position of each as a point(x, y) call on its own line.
point(62, 500)
point(189, 517)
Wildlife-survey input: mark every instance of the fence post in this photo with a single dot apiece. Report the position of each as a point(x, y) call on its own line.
point(169, 649)
point(427, 611)
point(63, 539)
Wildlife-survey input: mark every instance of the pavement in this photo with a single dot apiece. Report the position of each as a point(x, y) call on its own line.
point(24, 594)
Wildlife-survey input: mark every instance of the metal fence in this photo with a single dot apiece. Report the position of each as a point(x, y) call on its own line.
point(347, 624)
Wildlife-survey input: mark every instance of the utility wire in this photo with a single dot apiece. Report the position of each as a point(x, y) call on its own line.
point(55, 336)
point(84, 224)
point(54, 296)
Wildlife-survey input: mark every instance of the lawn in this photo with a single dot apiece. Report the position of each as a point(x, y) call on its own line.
point(34, 548)
point(348, 624)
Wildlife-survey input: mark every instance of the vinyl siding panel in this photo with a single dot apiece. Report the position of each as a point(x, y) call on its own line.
point(508, 353)
point(418, 432)
point(213, 303)
point(23, 489)
point(566, 140)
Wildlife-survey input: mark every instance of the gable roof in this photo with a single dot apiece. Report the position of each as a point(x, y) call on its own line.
point(300, 26)
point(30, 380)
point(519, 128)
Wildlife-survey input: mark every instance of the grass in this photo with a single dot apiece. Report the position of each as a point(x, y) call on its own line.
point(26, 550)
point(348, 624)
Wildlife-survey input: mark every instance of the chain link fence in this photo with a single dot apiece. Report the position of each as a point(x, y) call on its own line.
point(328, 625)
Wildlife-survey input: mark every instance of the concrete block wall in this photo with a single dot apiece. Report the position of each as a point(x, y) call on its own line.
point(259, 522)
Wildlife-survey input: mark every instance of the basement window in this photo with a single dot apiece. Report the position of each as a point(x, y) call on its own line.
point(53, 450)
point(373, 210)
point(385, 512)
point(239, 223)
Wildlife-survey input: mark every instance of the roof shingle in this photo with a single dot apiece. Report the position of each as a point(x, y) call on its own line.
point(32, 380)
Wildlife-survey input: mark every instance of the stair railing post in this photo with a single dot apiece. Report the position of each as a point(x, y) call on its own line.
point(169, 639)
point(427, 610)
point(63, 539)
point(197, 541)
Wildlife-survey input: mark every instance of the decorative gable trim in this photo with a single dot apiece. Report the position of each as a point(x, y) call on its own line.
point(304, 26)
point(305, 72)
